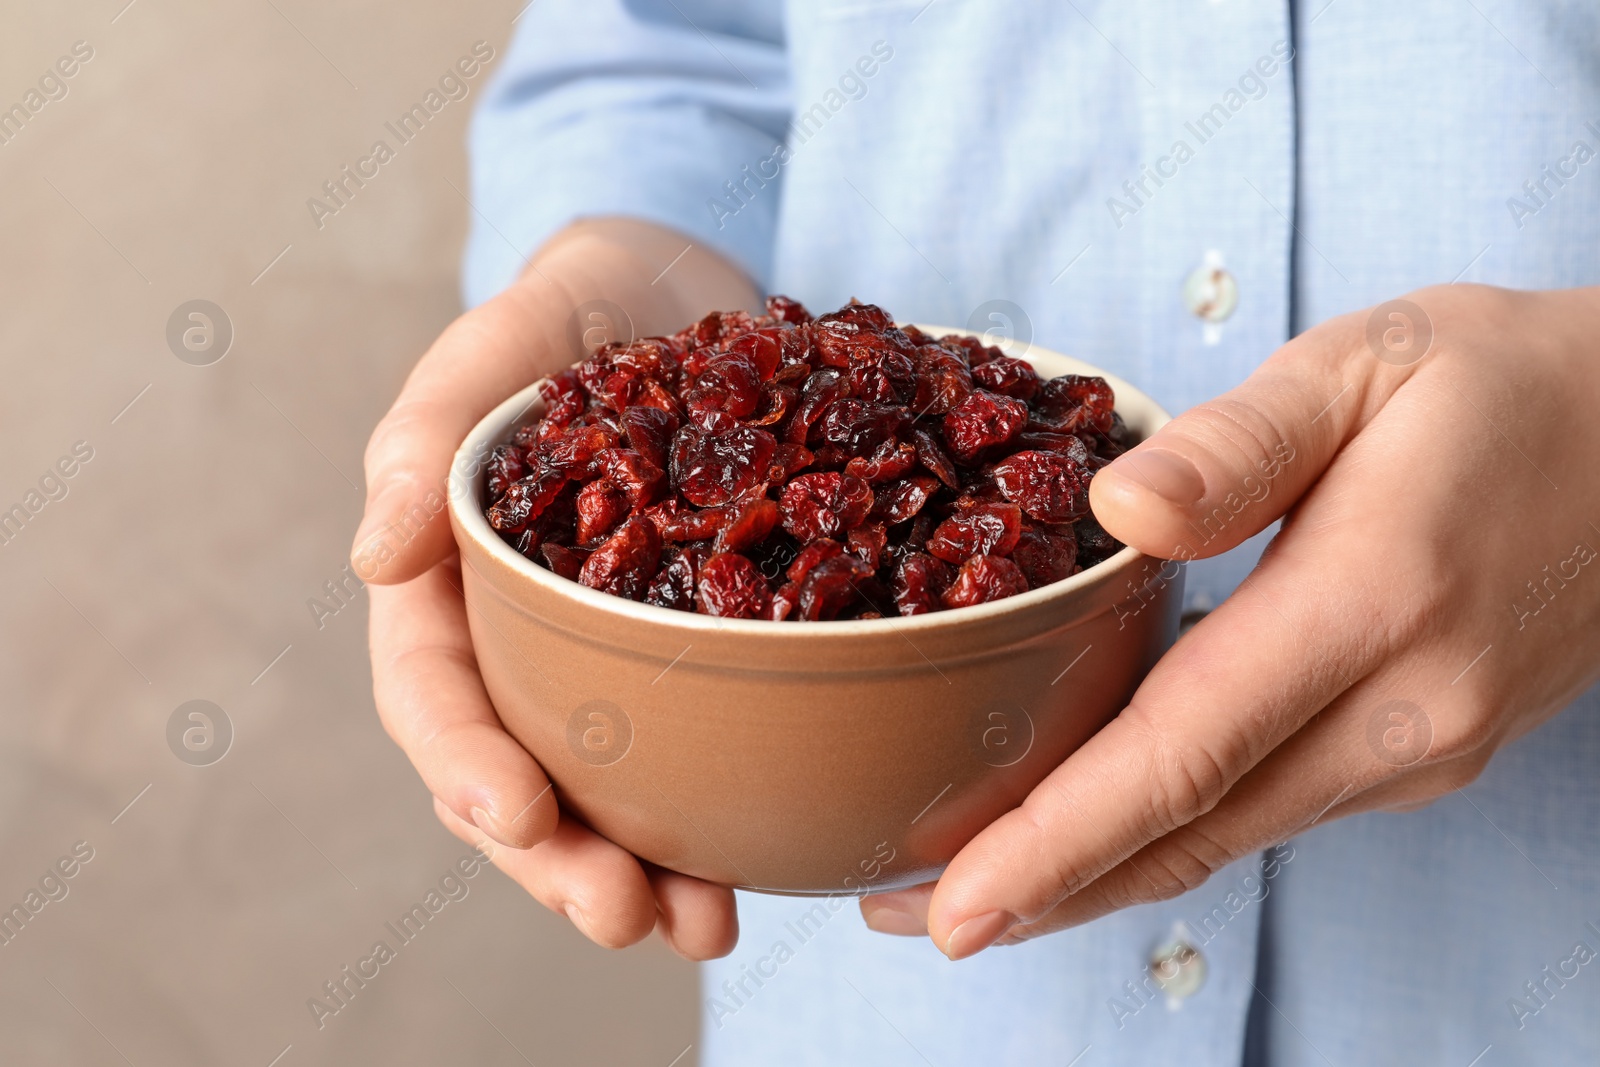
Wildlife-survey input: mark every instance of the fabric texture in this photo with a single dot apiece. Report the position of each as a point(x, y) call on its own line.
point(1057, 172)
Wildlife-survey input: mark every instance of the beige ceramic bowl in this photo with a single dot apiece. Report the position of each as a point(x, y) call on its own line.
point(803, 757)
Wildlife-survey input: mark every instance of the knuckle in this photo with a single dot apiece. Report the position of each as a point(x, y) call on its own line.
point(1062, 873)
point(1411, 600)
point(1242, 424)
point(1461, 738)
point(1186, 780)
point(1166, 873)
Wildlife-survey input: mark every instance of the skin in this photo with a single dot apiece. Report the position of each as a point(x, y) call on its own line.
point(1419, 501)
point(1420, 495)
point(487, 790)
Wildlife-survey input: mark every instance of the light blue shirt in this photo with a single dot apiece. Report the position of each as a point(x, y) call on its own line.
point(1080, 161)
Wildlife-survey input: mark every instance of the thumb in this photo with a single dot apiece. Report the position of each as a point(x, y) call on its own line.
point(1226, 469)
point(483, 357)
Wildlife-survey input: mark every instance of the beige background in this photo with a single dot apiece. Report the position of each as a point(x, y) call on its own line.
point(180, 563)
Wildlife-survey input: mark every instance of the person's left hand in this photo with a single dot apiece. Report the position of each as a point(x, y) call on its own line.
point(1433, 593)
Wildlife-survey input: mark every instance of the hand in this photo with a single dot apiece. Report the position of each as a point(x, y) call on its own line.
point(487, 789)
point(1441, 524)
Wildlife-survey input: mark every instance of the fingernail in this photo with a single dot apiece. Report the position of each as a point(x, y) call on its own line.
point(579, 920)
point(485, 822)
point(1169, 475)
point(890, 920)
point(977, 934)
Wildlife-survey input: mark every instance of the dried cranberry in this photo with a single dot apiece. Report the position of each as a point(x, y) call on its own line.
point(564, 399)
point(1094, 544)
point(979, 529)
point(788, 460)
point(574, 451)
point(1049, 486)
point(973, 350)
point(902, 500)
point(621, 388)
point(504, 467)
point(859, 427)
point(650, 357)
point(820, 389)
point(786, 310)
point(1046, 554)
point(1074, 402)
point(749, 526)
point(730, 383)
point(883, 375)
point(715, 327)
point(635, 477)
point(824, 504)
point(775, 404)
point(983, 421)
point(655, 395)
point(527, 542)
point(649, 432)
point(525, 500)
point(782, 467)
point(890, 460)
point(713, 468)
point(567, 562)
point(1044, 441)
point(673, 585)
point(919, 581)
point(868, 542)
point(869, 316)
point(624, 564)
point(811, 555)
point(1006, 375)
point(830, 587)
point(711, 420)
point(784, 601)
point(763, 349)
point(934, 459)
point(942, 381)
point(731, 586)
point(982, 579)
point(600, 508)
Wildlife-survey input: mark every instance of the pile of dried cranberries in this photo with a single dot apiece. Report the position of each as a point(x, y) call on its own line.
point(789, 467)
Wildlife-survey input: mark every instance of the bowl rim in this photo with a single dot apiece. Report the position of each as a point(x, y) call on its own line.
point(466, 479)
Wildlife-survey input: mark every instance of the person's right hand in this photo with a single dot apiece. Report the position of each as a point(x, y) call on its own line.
point(487, 789)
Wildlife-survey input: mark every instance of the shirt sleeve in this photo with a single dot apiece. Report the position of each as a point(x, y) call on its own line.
point(642, 108)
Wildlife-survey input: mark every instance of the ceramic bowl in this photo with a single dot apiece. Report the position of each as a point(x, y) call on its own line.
point(803, 757)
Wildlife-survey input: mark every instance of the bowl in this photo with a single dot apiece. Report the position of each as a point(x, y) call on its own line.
point(806, 758)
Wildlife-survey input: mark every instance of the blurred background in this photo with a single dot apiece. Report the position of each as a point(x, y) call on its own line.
point(240, 859)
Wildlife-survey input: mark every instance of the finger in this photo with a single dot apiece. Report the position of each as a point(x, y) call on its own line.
point(699, 921)
point(903, 912)
point(1297, 786)
point(1226, 469)
point(483, 357)
point(1337, 765)
point(576, 873)
point(432, 702)
point(498, 348)
point(1229, 692)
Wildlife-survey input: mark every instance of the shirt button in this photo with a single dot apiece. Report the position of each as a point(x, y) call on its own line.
point(1178, 969)
point(1211, 293)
